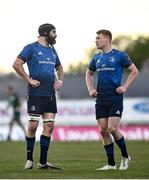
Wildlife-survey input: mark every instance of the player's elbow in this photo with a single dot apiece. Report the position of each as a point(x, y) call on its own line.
point(15, 65)
point(135, 72)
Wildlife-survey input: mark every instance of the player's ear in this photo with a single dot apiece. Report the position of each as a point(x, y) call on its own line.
point(106, 39)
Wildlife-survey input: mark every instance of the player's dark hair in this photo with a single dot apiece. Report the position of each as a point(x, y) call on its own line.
point(105, 32)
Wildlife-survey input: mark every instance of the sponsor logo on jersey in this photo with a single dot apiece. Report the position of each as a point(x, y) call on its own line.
point(98, 61)
point(105, 69)
point(46, 62)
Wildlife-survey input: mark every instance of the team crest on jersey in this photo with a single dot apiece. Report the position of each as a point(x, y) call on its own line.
point(53, 54)
point(112, 59)
point(40, 53)
point(103, 65)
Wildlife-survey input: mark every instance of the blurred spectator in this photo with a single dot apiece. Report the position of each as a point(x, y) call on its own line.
point(14, 102)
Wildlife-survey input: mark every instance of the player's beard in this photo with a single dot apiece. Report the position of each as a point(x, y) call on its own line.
point(51, 40)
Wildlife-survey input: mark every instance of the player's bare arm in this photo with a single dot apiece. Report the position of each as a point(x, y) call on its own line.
point(132, 76)
point(18, 66)
point(60, 75)
point(89, 82)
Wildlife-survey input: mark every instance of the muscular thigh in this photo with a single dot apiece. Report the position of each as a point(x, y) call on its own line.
point(103, 123)
point(113, 122)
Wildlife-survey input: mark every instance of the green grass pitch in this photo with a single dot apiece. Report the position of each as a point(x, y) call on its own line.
point(78, 160)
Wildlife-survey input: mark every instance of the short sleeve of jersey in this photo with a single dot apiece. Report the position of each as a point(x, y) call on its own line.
point(92, 65)
point(26, 53)
point(125, 60)
point(57, 60)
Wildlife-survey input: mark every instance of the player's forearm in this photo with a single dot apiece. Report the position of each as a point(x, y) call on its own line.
point(60, 73)
point(21, 72)
point(131, 78)
point(89, 81)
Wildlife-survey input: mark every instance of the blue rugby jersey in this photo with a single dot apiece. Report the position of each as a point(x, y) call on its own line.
point(110, 68)
point(41, 62)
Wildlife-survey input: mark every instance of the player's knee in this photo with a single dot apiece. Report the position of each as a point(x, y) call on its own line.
point(33, 124)
point(103, 132)
point(32, 128)
point(48, 128)
point(112, 129)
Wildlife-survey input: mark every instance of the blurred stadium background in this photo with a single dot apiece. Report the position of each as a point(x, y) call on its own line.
point(76, 145)
point(76, 125)
point(76, 120)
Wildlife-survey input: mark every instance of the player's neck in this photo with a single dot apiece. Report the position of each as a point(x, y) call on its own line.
point(43, 41)
point(107, 49)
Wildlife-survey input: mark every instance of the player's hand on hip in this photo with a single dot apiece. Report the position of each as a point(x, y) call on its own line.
point(57, 85)
point(93, 93)
point(121, 89)
point(34, 83)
